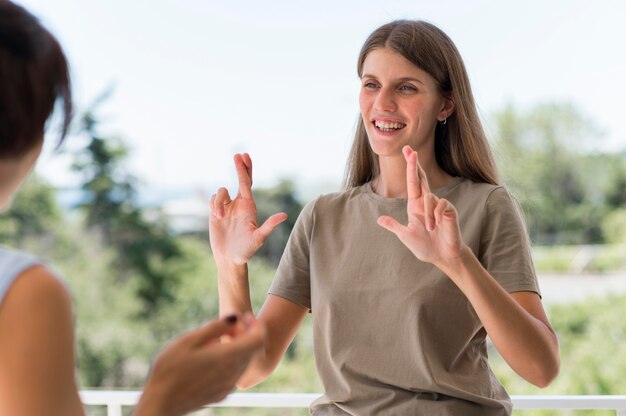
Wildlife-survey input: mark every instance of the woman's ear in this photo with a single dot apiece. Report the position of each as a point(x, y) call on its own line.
point(447, 110)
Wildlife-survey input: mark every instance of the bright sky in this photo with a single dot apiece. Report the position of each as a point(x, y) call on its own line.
point(196, 81)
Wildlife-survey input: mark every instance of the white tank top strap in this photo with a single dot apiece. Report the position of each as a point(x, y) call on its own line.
point(12, 264)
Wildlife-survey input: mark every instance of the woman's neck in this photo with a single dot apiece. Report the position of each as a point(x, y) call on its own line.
point(391, 183)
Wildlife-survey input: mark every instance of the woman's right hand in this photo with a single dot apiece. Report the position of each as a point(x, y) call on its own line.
point(233, 227)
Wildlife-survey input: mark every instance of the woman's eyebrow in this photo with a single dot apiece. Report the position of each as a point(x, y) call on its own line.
point(403, 79)
point(411, 79)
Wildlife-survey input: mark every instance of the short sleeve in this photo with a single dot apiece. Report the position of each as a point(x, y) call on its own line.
point(505, 245)
point(293, 276)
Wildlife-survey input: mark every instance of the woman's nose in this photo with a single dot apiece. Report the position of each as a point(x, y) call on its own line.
point(385, 101)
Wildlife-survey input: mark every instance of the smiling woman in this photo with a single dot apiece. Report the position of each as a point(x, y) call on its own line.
point(398, 108)
point(422, 67)
point(400, 313)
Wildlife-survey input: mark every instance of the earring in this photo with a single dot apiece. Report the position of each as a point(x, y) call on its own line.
point(443, 123)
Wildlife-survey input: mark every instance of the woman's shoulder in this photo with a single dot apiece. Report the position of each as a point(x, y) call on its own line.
point(37, 285)
point(26, 275)
point(36, 316)
point(467, 185)
point(334, 200)
point(16, 264)
point(480, 193)
point(12, 264)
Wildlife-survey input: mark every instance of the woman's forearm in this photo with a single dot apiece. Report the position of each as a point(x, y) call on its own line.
point(233, 288)
point(234, 298)
point(524, 339)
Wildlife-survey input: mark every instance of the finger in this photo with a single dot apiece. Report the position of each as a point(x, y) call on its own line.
point(423, 179)
point(248, 320)
point(244, 176)
point(439, 209)
point(238, 328)
point(223, 198)
point(444, 210)
point(268, 226)
point(247, 160)
point(210, 331)
point(430, 202)
point(390, 224)
point(212, 204)
point(412, 177)
point(249, 342)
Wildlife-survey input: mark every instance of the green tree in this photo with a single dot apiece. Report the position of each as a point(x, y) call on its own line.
point(614, 226)
point(545, 160)
point(616, 192)
point(111, 209)
point(279, 198)
point(112, 345)
point(34, 213)
point(592, 362)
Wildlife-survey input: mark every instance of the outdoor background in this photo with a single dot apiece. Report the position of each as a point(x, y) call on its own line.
point(167, 91)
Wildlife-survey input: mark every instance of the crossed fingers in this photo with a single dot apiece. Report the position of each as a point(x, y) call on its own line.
point(218, 201)
point(418, 190)
point(243, 165)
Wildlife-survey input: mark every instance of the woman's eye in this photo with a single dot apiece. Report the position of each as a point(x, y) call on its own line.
point(369, 85)
point(408, 88)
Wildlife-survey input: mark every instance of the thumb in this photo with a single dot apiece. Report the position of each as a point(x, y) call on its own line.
point(210, 331)
point(251, 340)
point(268, 226)
point(390, 224)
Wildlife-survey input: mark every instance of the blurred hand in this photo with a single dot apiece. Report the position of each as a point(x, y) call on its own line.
point(233, 226)
point(196, 369)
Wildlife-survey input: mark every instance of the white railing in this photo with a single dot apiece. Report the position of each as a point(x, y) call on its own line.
point(115, 400)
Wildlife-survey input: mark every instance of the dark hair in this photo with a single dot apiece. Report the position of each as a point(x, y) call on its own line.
point(461, 148)
point(33, 76)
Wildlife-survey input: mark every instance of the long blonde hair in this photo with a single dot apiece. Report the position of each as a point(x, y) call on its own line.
point(461, 147)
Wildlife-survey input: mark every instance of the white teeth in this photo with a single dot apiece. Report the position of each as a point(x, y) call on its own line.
point(385, 126)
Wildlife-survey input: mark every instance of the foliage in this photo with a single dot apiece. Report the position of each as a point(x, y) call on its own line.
point(579, 259)
point(614, 226)
point(591, 335)
point(565, 190)
point(616, 188)
point(108, 335)
point(280, 198)
point(145, 248)
point(34, 213)
point(135, 284)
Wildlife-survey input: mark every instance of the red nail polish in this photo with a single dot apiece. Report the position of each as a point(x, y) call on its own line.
point(231, 319)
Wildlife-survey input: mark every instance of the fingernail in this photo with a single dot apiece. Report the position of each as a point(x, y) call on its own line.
point(231, 319)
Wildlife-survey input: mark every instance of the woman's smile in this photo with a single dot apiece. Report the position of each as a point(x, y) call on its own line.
point(388, 127)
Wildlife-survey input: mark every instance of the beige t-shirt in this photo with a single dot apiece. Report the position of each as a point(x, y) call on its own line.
point(394, 335)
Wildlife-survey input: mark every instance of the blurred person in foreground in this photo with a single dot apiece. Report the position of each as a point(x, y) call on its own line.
point(37, 375)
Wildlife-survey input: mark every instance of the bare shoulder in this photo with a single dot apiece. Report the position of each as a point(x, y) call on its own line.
point(36, 286)
point(36, 301)
point(37, 348)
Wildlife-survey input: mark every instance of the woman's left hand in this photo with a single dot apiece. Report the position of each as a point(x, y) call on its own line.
point(432, 233)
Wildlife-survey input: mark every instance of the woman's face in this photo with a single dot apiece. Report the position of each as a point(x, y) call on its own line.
point(400, 104)
point(13, 172)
